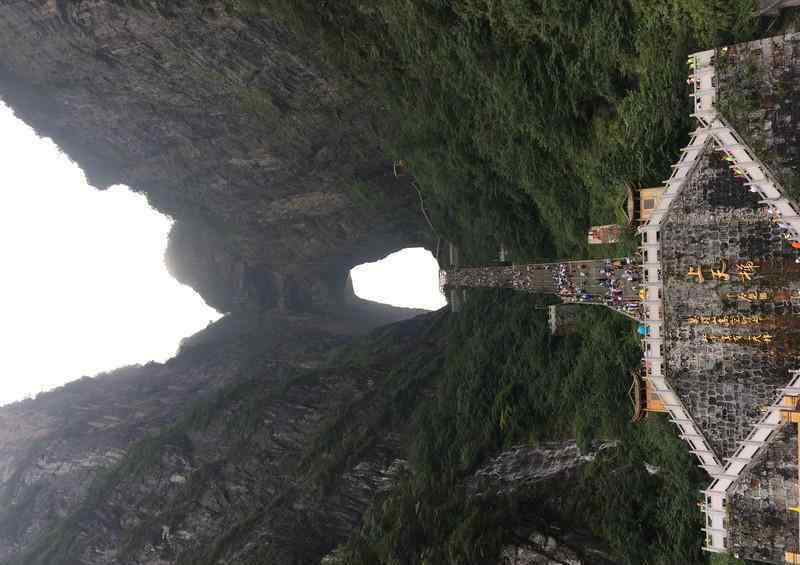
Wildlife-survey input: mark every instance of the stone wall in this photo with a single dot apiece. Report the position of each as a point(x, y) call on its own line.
point(729, 341)
point(763, 527)
point(758, 91)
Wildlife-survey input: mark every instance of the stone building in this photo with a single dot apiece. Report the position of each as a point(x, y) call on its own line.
point(601, 235)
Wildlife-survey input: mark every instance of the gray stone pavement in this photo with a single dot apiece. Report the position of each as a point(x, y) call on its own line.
point(609, 282)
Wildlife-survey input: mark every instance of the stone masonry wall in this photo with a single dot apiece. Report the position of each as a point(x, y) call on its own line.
point(758, 89)
point(763, 527)
point(729, 341)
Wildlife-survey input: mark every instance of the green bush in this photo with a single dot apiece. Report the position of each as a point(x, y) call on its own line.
point(507, 381)
point(523, 121)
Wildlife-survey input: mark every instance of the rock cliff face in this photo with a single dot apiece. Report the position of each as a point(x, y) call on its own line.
point(227, 453)
point(204, 459)
point(271, 164)
point(265, 439)
point(268, 158)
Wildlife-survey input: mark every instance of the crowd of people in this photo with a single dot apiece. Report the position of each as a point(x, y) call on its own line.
point(616, 284)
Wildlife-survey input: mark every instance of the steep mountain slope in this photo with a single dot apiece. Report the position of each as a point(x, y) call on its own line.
point(271, 163)
point(269, 159)
point(274, 437)
point(204, 457)
point(260, 443)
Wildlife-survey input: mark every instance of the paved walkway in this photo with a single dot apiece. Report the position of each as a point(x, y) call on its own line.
point(612, 283)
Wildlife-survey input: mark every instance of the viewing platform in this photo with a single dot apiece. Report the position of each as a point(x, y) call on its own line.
point(614, 283)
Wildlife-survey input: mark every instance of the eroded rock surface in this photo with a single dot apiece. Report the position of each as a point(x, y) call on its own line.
point(225, 454)
point(522, 466)
point(268, 158)
point(256, 444)
point(542, 549)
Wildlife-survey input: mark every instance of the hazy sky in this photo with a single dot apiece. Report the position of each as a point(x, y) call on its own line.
point(407, 278)
point(83, 286)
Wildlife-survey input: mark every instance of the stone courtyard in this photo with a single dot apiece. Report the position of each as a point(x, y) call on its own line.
point(731, 300)
point(760, 502)
point(731, 328)
point(723, 287)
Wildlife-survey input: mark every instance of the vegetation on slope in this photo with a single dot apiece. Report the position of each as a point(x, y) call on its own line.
point(507, 381)
point(459, 389)
point(522, 121)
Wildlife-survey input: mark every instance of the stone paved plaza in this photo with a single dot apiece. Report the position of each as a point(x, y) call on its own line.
point(764, 527)
point(731, 300)
point(731, 330)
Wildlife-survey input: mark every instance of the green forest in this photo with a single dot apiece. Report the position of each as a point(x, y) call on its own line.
point(507, 381)
point(523, 121)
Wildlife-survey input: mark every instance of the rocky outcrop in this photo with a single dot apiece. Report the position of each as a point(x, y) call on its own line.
point(521, 471)
point(522, 467)
point(524, 473)
point(269, 159)
point(270, 433)
point(263, 442)
point(542, 549)
point(220, 455)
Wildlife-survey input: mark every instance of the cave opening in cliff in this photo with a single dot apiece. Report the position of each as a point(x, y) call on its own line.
point(408, 278)
point(84, 287)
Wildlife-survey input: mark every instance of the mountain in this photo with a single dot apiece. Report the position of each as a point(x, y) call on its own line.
point(308, 426)
point(269, 159)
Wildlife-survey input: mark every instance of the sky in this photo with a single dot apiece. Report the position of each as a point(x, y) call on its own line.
point(407, 278)
point(83, 284)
